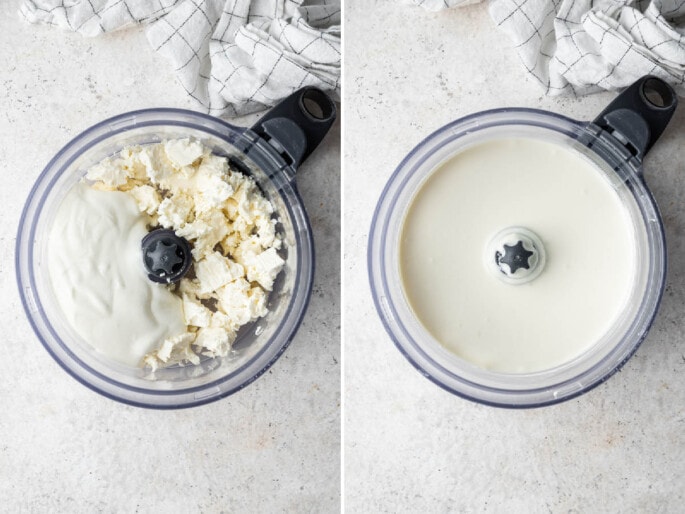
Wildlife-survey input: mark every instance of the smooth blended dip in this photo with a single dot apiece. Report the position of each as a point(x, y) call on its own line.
point(97, 275)
point(447, 267)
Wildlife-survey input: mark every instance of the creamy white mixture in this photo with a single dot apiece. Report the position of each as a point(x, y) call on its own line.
point(95, 267)
point(177, 185)
point(548, 189)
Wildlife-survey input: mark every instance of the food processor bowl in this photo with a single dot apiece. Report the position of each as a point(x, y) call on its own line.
point(615, 143)
point(270, 152)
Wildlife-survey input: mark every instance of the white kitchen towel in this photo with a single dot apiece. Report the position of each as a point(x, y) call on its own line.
point(583, 46)
point(233, 56)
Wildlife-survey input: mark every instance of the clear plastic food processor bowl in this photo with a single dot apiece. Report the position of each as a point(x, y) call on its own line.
point(258, 345)
point(621, 165)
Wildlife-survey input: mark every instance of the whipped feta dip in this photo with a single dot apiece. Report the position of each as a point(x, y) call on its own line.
point(555, 193)
point(178, 185)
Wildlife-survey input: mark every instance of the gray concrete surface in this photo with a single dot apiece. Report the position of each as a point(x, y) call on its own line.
point(273, 447)
point(412, 447)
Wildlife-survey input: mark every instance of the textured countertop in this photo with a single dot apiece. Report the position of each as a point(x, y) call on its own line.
point(409, 445)
point(272, 447)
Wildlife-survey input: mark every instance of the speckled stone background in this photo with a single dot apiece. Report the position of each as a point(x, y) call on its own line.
point(273, 447)
point(412, 447)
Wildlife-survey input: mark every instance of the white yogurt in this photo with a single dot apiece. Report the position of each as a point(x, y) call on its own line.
point(556, 194)
point(98, 277)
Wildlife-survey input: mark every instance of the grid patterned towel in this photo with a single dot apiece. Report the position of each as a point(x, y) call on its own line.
point(583, 46)
point(233, 56)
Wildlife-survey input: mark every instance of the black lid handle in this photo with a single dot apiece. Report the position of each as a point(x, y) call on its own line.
point(639, 115)
point(297, 124)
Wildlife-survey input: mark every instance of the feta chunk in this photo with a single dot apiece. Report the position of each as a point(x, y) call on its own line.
point(195, 313)
point(222, 320)
point(205, 233)
point(174, 211)
point(214, 165)
point(266, 230)
point(147, 198)
point(264, 268)
point(211, 191)
point(157, 166)
point(191, 287)
point(242, 303)
point(130, 156)
point(173, 350)
point(108, 174)
point(215, 341)
point(247, 250)
point(183, 152)
point(215, 270)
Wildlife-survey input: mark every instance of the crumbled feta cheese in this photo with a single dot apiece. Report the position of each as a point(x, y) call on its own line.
point(195, 313)
point(214, 165)
point(157, 165)
point(173, 350)
point(257, 303)
point(130, 156)
point(183, 152)
point(231, 208)
point(191, 287)
point(264, 267)
point(266, 230)
point(174, 211)
point(230, 243)
point(215, 341)
point(242, 303)
point(147, 198)
point(247, 250)
point(221, 320)
point(205, 232)
point(211, 191)
point(215, 271)
point(108, 175)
